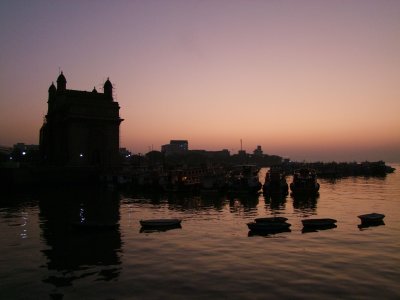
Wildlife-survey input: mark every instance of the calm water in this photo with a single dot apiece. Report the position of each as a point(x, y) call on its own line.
point(211, 256)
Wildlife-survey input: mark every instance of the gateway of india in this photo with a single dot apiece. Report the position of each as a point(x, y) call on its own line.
point(80, 128)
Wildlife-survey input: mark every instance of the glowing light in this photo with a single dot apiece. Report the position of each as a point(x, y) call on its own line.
point(82, 215)
point(23, 153)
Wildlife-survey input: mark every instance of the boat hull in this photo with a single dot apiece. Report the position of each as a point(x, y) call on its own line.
point(158, 223)
point(275, 183)
point(304, 182)
point(371, 219)
point(271, 220)
point(318, 223)
point(272, 227)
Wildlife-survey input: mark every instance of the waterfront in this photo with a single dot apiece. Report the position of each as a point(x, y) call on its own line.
point(211, 256)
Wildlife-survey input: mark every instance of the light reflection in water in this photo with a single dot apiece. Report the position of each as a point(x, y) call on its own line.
point(82, 215)
point(24, 217)
point(82, 237)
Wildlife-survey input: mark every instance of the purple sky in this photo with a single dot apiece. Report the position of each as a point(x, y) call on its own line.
point(313, 80)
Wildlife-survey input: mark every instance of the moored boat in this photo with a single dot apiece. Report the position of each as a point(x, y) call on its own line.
point(268, 226)
point(275, 182)
point(304, 182)
point(271, 220)
point(214, 180)
point(244, 178)
point(372, 218)
point(318, 223)
point(157, 223)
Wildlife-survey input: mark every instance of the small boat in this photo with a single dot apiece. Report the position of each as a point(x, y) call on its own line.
point(268, 226)
point(318, 223)
point(373, 218)
point(213, 181)
point(304, 182)
point(243, 178)
point(275, 183)
point(182, 180)
point(271, 220)
point(158, 223)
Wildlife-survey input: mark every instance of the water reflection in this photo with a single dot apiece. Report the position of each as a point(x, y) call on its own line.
point(238, 203)
point(180, 201)
point(316, 229)
point(275, 202)
point(305, 203)
point(364, 226)
point(160, 228)
point(211, 248)
point(247, 202)
point(216, 201)
point(267, 233)
point(14, 208)
point(76, 227)
point(193, 202)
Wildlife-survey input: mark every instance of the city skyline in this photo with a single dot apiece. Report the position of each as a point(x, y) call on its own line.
point(308, 80)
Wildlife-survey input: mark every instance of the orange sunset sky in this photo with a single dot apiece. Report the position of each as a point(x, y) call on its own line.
point(308, 80)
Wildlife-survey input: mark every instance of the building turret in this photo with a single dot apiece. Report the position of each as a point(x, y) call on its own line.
point(52, 96)
point(52, 89)
point(108, 89)
point(61, 83)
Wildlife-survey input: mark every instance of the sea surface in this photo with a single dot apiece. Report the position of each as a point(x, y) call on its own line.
point(45, 255)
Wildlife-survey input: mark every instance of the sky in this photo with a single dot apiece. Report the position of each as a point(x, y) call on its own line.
point(306, 80)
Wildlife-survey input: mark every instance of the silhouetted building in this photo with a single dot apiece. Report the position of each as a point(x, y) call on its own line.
point(5, 154)
point(258, 151)
point(24, 148)
point(80, 128)
point(242, 153)
point(125, 153)
point(175, 147)
point(22, 152)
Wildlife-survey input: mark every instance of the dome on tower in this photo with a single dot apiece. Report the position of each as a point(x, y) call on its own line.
point(107, 84)
point(61, 78)
point(61, 83)
point(52, 88)
point(108, 89)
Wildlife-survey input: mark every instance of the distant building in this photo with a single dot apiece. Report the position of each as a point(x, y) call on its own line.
point(125, 152)
point(20, 152)
point(5, 153)
point(175, 147)
point(258, 151)
point(80, 128)
point(22, 147)
point(242, 153)
point(222, 154)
